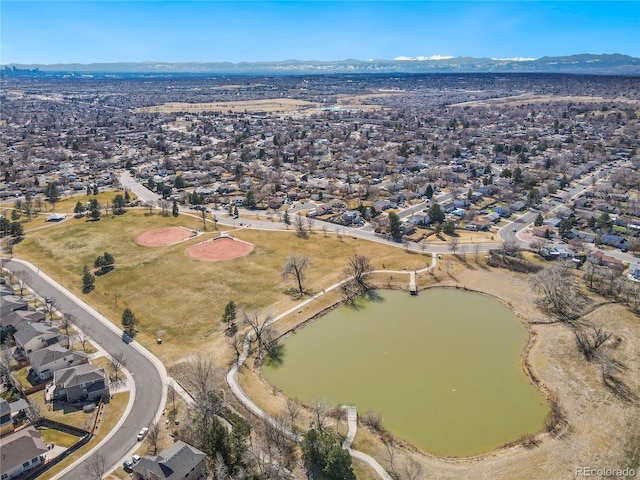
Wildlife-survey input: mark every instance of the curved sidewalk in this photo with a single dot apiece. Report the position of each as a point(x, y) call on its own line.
point(236, 389)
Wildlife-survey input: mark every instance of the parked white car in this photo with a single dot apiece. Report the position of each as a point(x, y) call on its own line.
point(142, 433)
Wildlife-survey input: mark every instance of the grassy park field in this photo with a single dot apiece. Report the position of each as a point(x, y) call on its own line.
point(182, 299)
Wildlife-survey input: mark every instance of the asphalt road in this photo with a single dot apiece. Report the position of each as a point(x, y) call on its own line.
point(147, 378)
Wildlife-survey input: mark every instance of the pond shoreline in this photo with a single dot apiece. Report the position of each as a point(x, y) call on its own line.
point(525, 365)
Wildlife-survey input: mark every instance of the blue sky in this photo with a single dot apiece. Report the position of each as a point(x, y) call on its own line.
point(254, 30)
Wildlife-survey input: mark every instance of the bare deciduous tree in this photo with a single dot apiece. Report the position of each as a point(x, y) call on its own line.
point(96, 467)
point(83, 336)
point(561, 296)
point(50, 306)
point(67, 321)
point(298, 223)
point(262, 330)
point(295, 267)
point(117, 363)
point(357, 269)
point(589, 340)
point(22, 279)
point(453, 244)
point(154, 436)
point(320, 408)
point(310, 224)
point(164, 205)
point(293, 411)
point(203, 379)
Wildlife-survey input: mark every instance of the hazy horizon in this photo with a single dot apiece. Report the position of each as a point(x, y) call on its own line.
point(78, 31)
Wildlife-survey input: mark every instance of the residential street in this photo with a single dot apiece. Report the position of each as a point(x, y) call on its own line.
point(148, 385)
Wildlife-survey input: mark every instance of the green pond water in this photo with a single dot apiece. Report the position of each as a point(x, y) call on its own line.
point(442, 368)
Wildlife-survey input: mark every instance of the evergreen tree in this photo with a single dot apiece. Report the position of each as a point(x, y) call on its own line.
point(229, 317)
point(175, 210)
point(79, 209)
point(95, 189)
point(285, 218)
point(88, 280)
point(250, 199)
point(323, 452)
point(429, 192)
point(435, 213)
point(129, 322)
point(53, 193)
point(539, 220)
point(94, 210)
point(395, 225)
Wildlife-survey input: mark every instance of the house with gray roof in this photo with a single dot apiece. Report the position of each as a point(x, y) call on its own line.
point(46, 361)
point(180, 461)
point(14, 321)
point(86, 382)
point(36, 336)
point(11, 303)
point(20, 452)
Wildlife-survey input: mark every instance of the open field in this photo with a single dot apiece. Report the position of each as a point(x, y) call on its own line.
point(531, 98)
point(273, 105)
point(600, 426)
point(182, 299)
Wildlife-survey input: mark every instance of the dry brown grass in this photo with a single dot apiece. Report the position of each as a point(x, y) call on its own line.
point(600, 425)
point(529, 98)
point(183, 297)
point(267, 105)
point(111, 414)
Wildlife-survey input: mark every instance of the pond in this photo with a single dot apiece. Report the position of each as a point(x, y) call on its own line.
point(442, 368)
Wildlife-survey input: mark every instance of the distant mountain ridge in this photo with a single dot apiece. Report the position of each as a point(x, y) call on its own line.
point(603, 64)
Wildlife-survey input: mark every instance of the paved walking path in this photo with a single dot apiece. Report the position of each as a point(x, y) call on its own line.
point(352, 417)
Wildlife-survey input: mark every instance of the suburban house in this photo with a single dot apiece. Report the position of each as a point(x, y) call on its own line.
point(351, 216)
point(613, 240)
point(542, 231)
point(553, 252)
point(9, 412)
point(83, 382)
point(602, 259)
point(21, 451)
point(46, 361)
point(518, 206)
point(180, 461)
point(36, 336)
point(6, 290)
point(634, 272)
point(6, 422)
point(11, 303)
point(14, 321)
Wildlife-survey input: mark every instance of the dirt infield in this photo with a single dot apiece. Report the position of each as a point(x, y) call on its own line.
point(161, 237)
point(219, 249)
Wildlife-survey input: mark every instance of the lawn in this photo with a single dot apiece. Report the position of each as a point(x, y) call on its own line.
point(51, 435)
point(111, 414)
point(182, 299)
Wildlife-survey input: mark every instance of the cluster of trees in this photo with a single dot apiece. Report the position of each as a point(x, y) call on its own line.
point(105, 263)
point(562, 298)
point(93, 210)
point(323, 454)
point(11, 228)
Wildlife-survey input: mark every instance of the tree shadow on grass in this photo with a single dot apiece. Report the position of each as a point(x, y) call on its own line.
point(275, 356)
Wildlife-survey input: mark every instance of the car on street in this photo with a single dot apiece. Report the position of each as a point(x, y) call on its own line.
point(142, 433)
